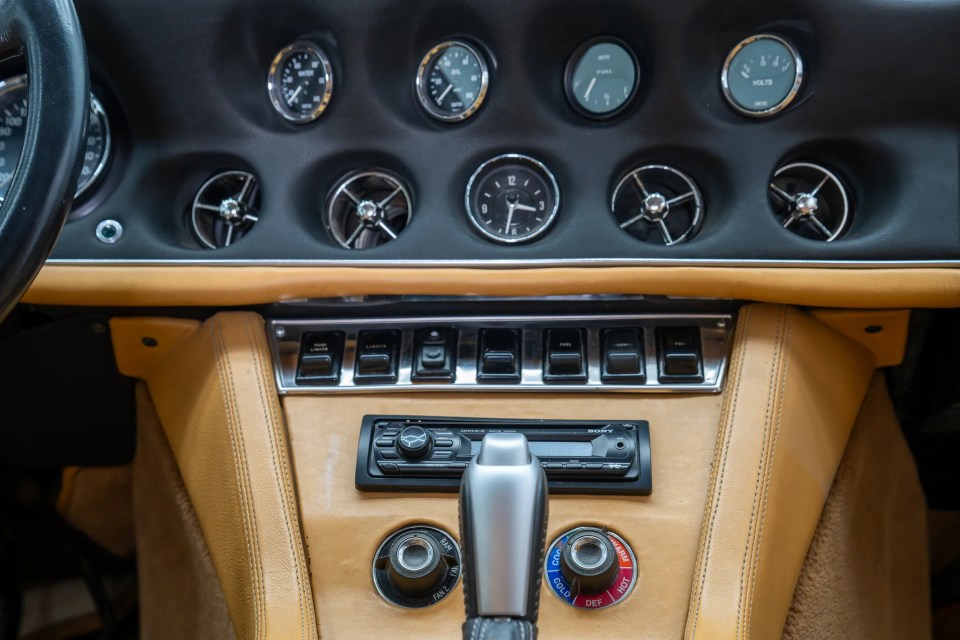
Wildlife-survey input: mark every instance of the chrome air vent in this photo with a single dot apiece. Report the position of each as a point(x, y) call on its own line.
point(367, 208)
point(225, 208)
point(658, 204)
point(810, 201)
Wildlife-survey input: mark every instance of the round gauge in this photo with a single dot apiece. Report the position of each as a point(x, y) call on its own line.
point(602, 78)
point(300, 82)
point(762, 75)
point(452, 81)
point(13, 128)
point(512, 198)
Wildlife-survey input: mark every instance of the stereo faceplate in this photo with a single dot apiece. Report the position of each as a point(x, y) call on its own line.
point(406, 453)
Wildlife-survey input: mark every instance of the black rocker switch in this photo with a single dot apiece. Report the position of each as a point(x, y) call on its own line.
point(623, 358)
point(434, 354)
point(564, 358)
point(377, 357)
point(499, 356)
point(320, 358)
point(679, 355)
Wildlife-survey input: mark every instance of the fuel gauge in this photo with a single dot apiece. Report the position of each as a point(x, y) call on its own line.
point(602, 78)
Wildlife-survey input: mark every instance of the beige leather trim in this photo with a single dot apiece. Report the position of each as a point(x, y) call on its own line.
point(141, 344)
point(232, 285)
point(884, 333)
point(795, 391)
point(218, 407)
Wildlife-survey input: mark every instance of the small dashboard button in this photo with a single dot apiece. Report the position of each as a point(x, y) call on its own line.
point(320, 358)
point(622, 356)
point(679, 354)
point(499, 355)
point(377, 357)
point(434, 354)
point(565, 357)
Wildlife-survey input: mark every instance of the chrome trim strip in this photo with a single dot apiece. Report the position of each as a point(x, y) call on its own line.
point(715, 330)
point(515, 264)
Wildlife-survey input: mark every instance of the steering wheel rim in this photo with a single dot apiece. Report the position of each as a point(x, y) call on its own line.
point(47, 33)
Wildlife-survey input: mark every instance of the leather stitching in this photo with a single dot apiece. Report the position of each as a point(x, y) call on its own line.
point(766, 492)
point(284, 488)
point(248, 517)
point(711, 506)
point(761, 467)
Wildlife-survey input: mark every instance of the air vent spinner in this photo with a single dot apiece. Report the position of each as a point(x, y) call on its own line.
point(225, 209)
point(811, 201)
point(367, 209)
point(658, 204)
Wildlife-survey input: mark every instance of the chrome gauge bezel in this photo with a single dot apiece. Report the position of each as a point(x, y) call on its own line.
point(513, 158)
point(274, 85)
point(577, 56)
point(97, 110)
point(787, 100)
point(21, 82)
point(420, 84)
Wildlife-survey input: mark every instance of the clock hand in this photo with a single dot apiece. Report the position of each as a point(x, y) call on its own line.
point(524, 207)
point(511, 207)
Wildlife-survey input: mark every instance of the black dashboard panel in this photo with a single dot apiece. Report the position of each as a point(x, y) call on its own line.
point(184, 83)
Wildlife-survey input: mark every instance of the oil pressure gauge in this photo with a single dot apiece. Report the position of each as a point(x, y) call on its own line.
point(762, 75)
point(452, 81)
point(300, 82)
point(512, 199)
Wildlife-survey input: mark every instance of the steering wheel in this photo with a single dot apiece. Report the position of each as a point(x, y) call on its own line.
point(47, 33)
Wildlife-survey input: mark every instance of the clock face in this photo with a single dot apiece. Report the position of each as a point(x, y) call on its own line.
point(512, 199)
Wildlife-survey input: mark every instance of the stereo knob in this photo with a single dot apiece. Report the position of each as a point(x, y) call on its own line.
point(589, 562)
point(413, 442)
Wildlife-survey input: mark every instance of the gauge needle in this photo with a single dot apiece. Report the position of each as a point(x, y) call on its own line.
point(293, 98)
point(510, 209)
point(445, 92)
point(523, 207)
point(593, 81)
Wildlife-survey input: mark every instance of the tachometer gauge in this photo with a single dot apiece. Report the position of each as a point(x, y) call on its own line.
point(512, 198)
point(300, 82)
point(762, 75)
point(452, 81)
point(13, 128)
point(602, 78)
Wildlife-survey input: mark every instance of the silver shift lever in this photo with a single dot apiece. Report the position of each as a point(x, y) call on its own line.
point(503, 528)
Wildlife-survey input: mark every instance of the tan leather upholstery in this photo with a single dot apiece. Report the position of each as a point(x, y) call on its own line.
point(140, 344)
point(98, 501)
point(224, 286)
point(344, 526)
point(795, 391)
point(866, 576)
point(217, 404)
point(179, 593)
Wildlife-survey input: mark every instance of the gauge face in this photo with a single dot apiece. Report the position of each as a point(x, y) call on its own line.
point(602, 78)
point(452, 81)
point(300, 82)
point(512, 198)
point(13, 127)
point(762, 75)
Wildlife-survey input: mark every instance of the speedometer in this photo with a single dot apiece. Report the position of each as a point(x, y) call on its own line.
point(13, 128)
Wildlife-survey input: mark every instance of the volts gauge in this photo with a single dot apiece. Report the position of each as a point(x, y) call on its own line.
point(762, 75)
point(452, 81)
point(512, 198)
point(300, 82)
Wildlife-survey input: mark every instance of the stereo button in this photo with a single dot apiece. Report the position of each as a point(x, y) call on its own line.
point(413, 442)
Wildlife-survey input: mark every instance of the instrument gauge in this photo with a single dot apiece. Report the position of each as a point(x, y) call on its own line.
point(300, 82)
point(512, 199)
point(762, 75)
point(13, 129)
point(452, 81)
point(602, 78)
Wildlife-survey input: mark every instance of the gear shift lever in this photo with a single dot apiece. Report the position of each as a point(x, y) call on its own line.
point(503, 527)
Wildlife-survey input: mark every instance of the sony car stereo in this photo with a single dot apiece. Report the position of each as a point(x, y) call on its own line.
point(405, 453)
